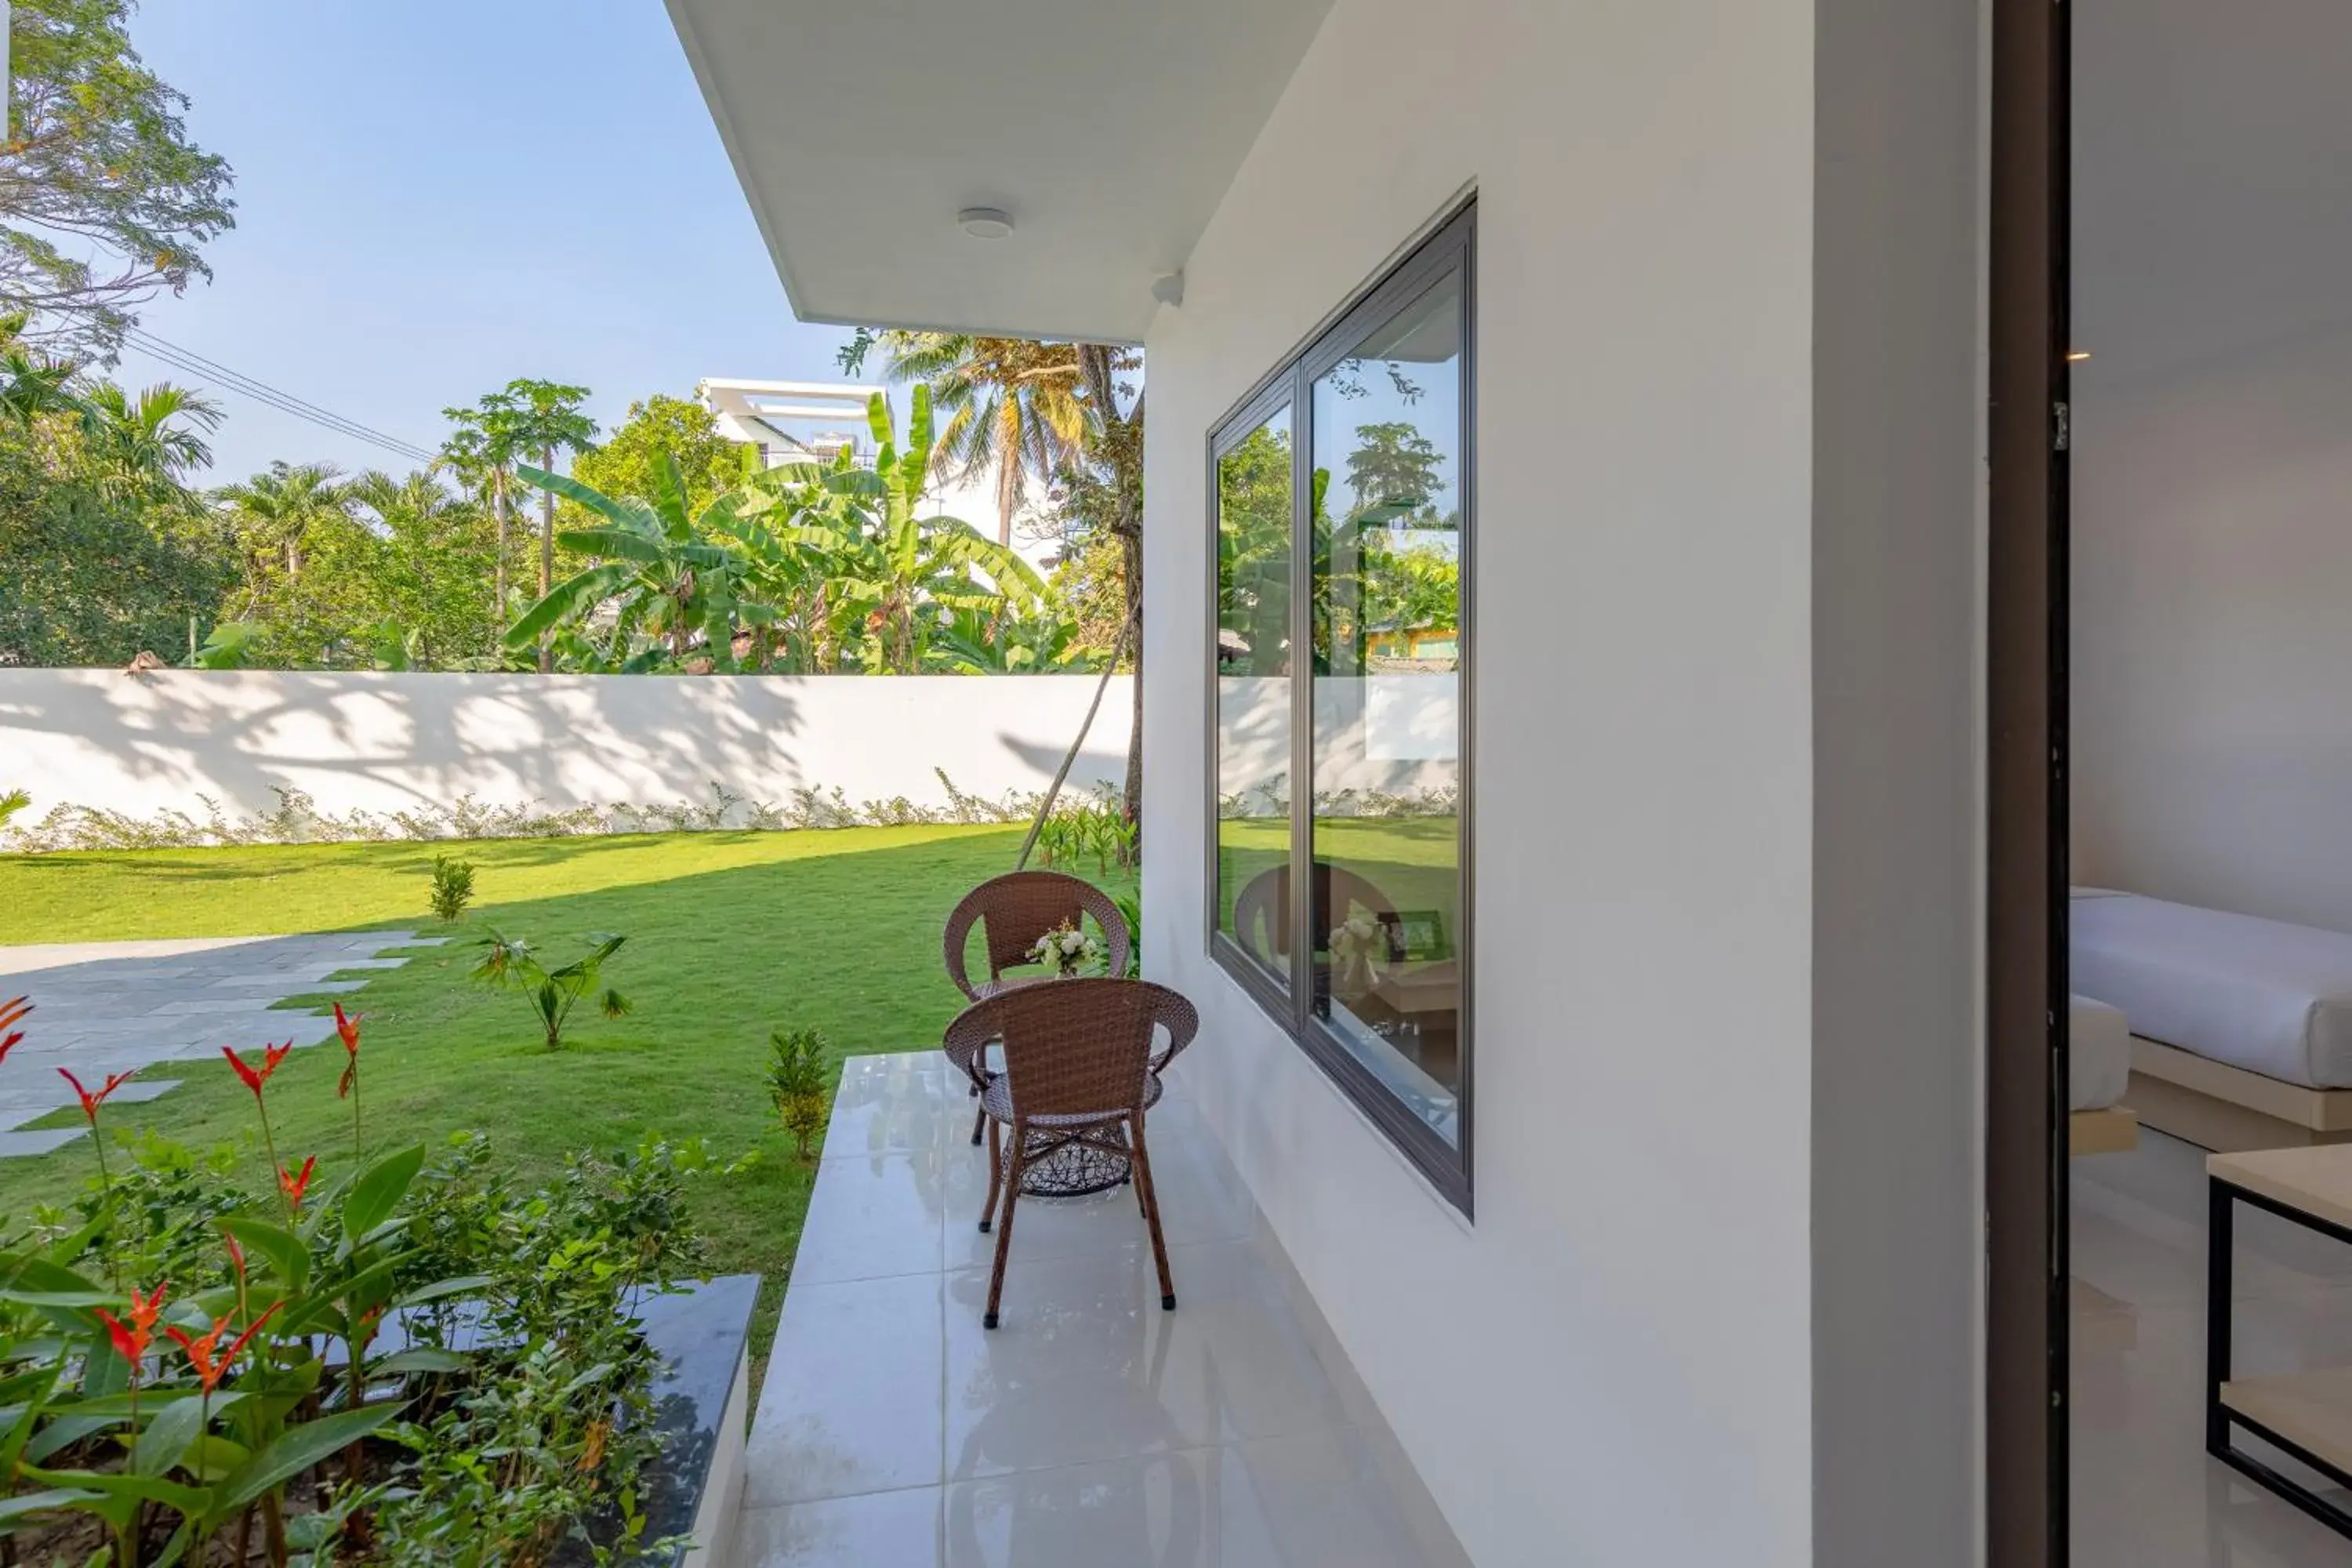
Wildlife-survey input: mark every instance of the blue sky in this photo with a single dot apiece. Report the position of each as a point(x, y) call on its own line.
point(433, 198)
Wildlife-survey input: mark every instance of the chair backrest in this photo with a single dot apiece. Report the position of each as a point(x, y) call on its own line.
point(1014, 910)
point(1262, 909)
point(1075, 1047)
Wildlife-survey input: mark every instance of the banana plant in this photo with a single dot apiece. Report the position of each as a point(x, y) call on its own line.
point(674, 595)
point(891, 577)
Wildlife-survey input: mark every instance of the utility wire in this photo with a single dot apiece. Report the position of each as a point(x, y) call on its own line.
point(151, 340)
point(276, 397)
point(203, 369)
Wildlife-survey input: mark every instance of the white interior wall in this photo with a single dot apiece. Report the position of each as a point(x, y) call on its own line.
point(1613, 1365)
point(1898, 757)
point(2213, 455)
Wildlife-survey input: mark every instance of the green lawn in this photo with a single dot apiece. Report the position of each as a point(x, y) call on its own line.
point(730, 934)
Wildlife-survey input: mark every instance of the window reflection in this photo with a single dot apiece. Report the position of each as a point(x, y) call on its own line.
point(1254, 568)
point(1386, 614)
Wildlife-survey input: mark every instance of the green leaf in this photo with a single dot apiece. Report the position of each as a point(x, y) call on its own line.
point(121, 1488)
point(421, 1358)
point(297, 1449)
point(627, 514)
point(569, 599)
point(25, 1503)
point(212, 1456)
point(379, 1189)
point(282, 1248)
point(167, 1438)
point(442, 1290)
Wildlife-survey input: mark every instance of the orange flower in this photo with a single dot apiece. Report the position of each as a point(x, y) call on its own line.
point(12, 1011)
point(131, 1340)
point(200, 1348)
point(236, 1254)
point(348, 1029)
point(293, 1184)
point(253, 1077)
point(91, 1102)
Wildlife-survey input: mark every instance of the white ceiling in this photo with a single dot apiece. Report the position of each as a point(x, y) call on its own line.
point(1108, 129)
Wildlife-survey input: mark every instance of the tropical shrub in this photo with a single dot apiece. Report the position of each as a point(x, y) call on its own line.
point(513, 962)
point(453, 887)
point(796, 1083)
point(192, 1374)
point(298, 820)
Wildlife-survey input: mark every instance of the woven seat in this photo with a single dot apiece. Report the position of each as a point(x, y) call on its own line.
point(1080, 1068)
point(1013, 911)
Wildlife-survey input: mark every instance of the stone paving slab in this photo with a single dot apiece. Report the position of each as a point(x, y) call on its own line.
point(110, 1007)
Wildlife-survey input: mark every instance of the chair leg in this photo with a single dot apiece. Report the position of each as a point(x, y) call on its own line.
point(1004, 1229)
point(1151, 1215)
point(995, 1174)
point(979, 1121)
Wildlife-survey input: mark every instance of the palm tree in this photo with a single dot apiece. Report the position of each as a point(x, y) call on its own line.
point(528, 418)
point(274, 513)
point(483, 460)
point(1015, 405)
point(153, 439)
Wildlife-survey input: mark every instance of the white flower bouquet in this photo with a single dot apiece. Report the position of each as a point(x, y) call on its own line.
point(1360, 946)
point(1068, 952)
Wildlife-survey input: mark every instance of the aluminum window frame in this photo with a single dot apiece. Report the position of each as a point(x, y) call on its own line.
point(1447, 251)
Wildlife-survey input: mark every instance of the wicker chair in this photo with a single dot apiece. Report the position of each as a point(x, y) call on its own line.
point(1013, 911)
point(1079, 1067)
point(1262, 910)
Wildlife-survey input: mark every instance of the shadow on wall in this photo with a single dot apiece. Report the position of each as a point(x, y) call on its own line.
point(393, 743)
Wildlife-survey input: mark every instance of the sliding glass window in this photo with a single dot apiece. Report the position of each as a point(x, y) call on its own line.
point(1369, 969)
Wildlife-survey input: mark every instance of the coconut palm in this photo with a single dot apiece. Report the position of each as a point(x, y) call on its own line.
point(1014, 406)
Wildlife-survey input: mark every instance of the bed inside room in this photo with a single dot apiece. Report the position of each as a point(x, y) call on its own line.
point(2208, 439)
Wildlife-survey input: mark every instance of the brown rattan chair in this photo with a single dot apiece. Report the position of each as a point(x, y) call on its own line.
point(1013, 911)
point(1079, 1067)
point(1262, 910)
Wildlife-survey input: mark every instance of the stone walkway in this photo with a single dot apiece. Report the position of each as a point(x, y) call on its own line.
point(108, 1007)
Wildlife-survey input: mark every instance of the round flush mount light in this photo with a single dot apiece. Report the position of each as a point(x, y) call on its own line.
point(985, 223)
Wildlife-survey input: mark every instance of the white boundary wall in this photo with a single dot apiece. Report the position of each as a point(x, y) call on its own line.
point(360, 740)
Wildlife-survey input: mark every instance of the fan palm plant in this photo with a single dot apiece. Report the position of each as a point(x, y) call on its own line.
point(274, 512)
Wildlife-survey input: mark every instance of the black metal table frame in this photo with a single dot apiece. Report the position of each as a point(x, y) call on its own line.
point(2221, 1227)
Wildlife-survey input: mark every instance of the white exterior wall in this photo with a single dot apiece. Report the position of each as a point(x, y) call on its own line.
point(382, 743)
point(1613, 1364)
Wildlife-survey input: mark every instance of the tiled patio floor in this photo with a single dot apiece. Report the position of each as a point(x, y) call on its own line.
point(1092, 1428)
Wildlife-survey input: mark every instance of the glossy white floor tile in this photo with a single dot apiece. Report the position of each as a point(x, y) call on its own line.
point(1093, 1427)
point(2145, 1494)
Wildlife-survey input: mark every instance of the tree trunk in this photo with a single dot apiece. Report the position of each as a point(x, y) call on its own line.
point(499, 567)
point(546, 557)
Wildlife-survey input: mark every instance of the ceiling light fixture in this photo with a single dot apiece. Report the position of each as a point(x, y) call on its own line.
point(985, 223)
point(2078, 356)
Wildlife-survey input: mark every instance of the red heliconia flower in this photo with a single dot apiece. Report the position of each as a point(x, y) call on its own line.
point(347, 1027)
point(200, 1348)
point(13, 1011)
point(91, 1102)
point(253, 1077)
point(294, 1184)
point(131, 1340)
point(236, 1254)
